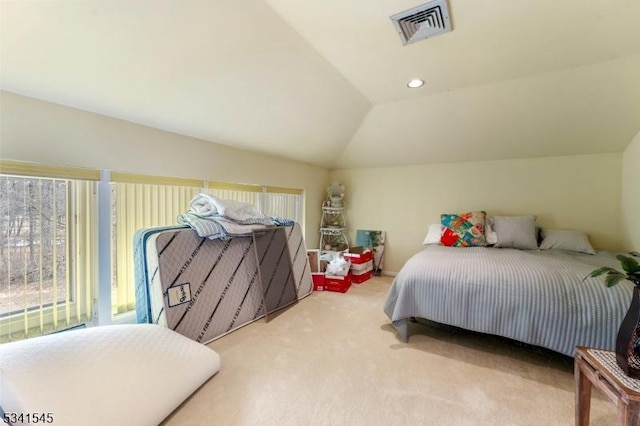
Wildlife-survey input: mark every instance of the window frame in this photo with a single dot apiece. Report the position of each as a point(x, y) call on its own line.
point(78, 304)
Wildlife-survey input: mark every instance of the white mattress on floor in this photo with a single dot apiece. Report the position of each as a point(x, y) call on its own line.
point(134, 374)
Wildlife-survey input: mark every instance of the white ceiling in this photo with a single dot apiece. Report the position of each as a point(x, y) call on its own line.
point(324, 82)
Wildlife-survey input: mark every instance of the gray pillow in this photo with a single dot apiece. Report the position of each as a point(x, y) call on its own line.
point(566, 239)
point(516, 232)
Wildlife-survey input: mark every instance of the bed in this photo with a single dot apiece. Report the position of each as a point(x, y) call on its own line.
point(535, 296)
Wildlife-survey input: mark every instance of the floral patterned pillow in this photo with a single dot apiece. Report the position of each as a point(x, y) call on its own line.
point(463, 229)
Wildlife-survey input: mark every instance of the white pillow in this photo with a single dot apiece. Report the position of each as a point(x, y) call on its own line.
point(434, 234)
point(516, 232)
point(565, 239)
point(135, 374)
point(489, 233)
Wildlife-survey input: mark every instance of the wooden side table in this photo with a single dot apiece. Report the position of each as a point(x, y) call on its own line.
point(599, 368)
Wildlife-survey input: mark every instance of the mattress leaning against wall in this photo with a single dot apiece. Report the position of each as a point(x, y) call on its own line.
point(205, 288)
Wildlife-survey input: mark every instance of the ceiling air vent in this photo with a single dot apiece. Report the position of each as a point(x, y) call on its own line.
point(424, 21)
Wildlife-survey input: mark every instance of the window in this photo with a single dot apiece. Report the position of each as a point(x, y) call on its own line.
point(47, 248)
point(54, 250)
point(140, 201)
point(283, 202)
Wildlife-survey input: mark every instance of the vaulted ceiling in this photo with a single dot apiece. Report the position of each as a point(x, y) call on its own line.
point(324, 82)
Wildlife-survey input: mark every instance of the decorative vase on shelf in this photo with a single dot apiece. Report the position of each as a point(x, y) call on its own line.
point(335, 194)
point(628, 337)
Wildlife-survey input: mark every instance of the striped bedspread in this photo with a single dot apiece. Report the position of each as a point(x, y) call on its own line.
point(533, 296)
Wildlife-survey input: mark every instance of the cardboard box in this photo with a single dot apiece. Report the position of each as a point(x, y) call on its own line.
point(359, 258)
point(337, 283)
point(359, 279)
point(318, 281)
point(314, 260)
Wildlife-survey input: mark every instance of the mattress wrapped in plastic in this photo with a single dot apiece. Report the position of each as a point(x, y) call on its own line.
point(204, 288)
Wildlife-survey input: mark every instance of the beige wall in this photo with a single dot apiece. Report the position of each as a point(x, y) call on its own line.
point(43, 132)
point(573, 192)
point(631, 194)
point(579, 192)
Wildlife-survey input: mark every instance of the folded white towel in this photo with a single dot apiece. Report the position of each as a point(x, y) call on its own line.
point(206, 205)
point(203, 205)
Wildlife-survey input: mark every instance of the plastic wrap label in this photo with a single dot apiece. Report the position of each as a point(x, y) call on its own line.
point(179, 294)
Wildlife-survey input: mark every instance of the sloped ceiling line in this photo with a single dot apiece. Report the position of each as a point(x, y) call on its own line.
point(306, 81)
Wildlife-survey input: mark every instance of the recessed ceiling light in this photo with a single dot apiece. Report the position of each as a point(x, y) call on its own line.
point(415, 83)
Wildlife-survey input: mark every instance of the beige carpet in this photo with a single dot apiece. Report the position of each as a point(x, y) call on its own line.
point(333, 359)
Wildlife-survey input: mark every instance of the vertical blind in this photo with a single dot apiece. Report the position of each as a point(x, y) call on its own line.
point(138, 202)
point(49, 237)
point(141, 201)
point(47, 248)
